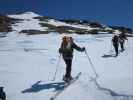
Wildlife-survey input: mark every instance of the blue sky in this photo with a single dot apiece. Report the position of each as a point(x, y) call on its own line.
point(109, 12)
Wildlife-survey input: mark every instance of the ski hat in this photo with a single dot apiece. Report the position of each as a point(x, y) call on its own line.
point(65, 36)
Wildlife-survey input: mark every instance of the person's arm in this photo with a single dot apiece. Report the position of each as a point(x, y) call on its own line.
point(126, 37)
point(78, 48)
point(60, 49)
point(112, 39)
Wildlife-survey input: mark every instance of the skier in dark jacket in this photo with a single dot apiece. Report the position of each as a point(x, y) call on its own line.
point(2, 94)
point(115, 41)
point(122, 38)
point(66, 50)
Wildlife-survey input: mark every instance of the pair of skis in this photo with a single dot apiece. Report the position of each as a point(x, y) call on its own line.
point(65, 86)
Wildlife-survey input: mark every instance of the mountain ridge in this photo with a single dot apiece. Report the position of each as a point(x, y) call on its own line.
point(31, 23)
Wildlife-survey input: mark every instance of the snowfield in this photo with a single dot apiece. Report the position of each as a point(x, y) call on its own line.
point(59, 23)
point(28, 63)
point(28, 22)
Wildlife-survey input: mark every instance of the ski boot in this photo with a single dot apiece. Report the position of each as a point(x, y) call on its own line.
point(67, 79)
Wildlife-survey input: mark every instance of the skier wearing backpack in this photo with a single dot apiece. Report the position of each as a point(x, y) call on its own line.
point(115, 41)
point(66, 49)
point(122, 38)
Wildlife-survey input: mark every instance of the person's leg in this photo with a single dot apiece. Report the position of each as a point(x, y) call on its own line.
point(68, 68)
point(2, 95)
point(122, 46)
point(116, 49)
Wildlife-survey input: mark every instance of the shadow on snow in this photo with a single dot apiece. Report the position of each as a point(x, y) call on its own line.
point(108, 55)
point(113, 93)
point(37, 87)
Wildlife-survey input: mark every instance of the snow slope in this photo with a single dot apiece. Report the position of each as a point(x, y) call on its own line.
point(59, 23)
point(28, 64)
point(28, 22)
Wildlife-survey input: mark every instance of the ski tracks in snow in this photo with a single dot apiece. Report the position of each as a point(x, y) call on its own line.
point(91, 89)
point(89, 85)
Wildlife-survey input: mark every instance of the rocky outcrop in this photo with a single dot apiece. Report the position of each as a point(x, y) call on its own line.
point(5, 23)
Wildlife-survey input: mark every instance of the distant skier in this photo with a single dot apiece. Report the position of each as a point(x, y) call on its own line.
point(66, 49)
point(115, 41)
point(122, 38)
point(2, 94)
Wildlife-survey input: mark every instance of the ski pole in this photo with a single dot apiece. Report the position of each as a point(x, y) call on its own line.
point(92, 66)
point(56, 68)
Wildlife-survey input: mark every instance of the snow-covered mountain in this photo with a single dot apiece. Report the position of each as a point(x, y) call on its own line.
point(28, 62)
point(32, 23)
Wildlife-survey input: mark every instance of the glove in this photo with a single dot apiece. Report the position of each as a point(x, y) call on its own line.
point(83, 48)
point(60, 51)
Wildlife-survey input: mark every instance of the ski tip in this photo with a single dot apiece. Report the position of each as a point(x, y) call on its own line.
point(79, 73)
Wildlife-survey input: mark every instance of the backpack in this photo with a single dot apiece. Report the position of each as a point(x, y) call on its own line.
point(115, 39)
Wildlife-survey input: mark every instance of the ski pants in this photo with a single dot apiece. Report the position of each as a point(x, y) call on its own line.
point(68, 63)
point(122, 45)
point(116, 48)
point(2, 96)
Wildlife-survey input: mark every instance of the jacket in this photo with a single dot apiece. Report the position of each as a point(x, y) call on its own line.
point(67, 53)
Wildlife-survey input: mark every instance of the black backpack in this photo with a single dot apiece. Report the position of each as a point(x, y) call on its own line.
point(115, 39)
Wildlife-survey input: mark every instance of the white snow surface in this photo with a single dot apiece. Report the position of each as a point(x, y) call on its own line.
point(59, 23)
point(28, 64)
point(26, 15)
point(28, 22)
